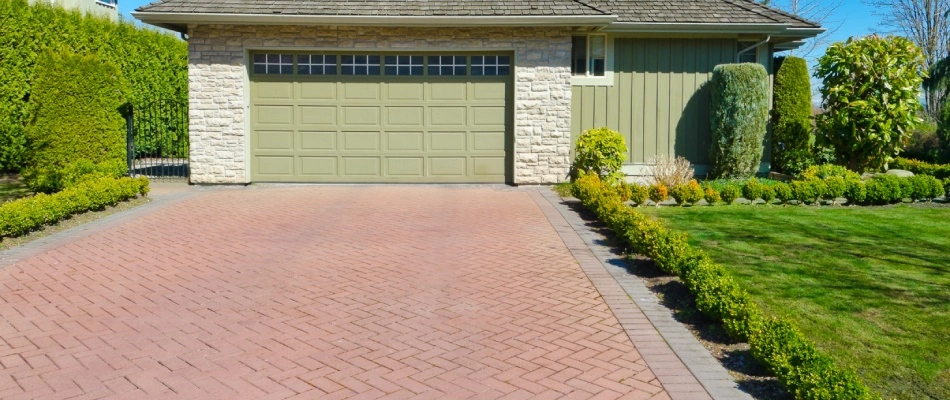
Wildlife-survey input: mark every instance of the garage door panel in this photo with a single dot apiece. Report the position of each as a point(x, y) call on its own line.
point(404, 116)
point(317, 115)
point(405, 166)
point(318, 141)
point(317, 90)
point(488, 166)
point(365, 116)
point(361, 141)
point(448, 91)
point(404, 141)
point(490, 91)
point(275, 140)
point(447, 141)
point(448, 166)
point(448, 116)
point(482, 116)
point(488, 141)
point(275, 115)
point(361, 91)
point(318, 166)
point(360, 166)
point(405, 92)
point(274, 91)
point(275, 165)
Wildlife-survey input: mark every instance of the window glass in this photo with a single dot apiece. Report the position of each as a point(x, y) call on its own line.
point(579, 55)
point(749, 56)
point(403, 65)
point(273, 64)
point(491, 65)
point(447, 65)
point(359, 65)
point(598, 54)
point(316, 64)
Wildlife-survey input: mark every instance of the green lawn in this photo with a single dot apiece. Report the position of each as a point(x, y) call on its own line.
point(870, 285)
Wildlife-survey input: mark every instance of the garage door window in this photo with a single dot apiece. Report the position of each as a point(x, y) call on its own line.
point(403, 65)
point(316, 64)
point(491, 65)
point(360, 65)
point(448, 65)
point(278, 64)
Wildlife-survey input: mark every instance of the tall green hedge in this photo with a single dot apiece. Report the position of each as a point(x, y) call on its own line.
point(791, 123)
point(154, 64)
point(75, 102)
point(739, 117)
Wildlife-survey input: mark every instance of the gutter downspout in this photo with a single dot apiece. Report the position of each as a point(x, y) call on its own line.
point(746, 50)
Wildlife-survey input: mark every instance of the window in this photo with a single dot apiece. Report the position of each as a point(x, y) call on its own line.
point(404, 65)
point(589, 55)
point(491, 65)
point(316, 64)
point(360, 65)
point(750, 56)
point(447, 65)
point(273, 64)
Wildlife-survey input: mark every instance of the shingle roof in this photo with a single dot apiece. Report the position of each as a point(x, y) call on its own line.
point(699, 11)
point(388, 8)
point(644, 11)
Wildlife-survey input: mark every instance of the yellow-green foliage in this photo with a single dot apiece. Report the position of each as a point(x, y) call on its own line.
point(154, 64)
point(739, 115)
point(24, 215)
point(870, 89)
point(791, 123)
point(730, 193)
point(711, 195)
point(639, 193)
point(658, 192)
point(75, 101)
point(939, 171)
point(601, 151)
point(802, 369)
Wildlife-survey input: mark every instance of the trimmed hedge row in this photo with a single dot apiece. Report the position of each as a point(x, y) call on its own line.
point(24, 215)
point(798, 364)
point(940, 171)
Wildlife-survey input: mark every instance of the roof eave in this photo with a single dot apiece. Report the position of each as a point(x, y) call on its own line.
point(179, 21)
point(713, 28)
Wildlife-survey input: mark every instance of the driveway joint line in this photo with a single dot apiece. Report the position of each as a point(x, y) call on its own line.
point(703, 367)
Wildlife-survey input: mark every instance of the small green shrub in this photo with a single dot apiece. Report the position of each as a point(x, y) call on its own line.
point(752, 190)
point(791, 125)
point(835, 187)
point(738, 116)
point(939, 171)
point(730, 193)
point(639, 193)
point(768, 193)
point(827, 170)
point(658, 192)
point(856, 193)
point(711, 196)
point(806, 191)
point(884, 189)
point(933, 187)
point(946, 187)
point(623, 190)
point(601, 151)
point(921, 187)
point(783, 192)
point(688, 193)
point(27, 214)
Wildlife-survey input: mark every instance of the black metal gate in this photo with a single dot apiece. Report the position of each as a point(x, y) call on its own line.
point(157, 139)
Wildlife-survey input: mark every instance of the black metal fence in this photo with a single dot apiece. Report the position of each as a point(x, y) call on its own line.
point(157, 140)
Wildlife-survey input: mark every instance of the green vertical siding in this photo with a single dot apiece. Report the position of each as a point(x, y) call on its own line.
point(659, 99)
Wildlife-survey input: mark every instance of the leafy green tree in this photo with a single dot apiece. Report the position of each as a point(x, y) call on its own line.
point(870, 96)
point(791, 122)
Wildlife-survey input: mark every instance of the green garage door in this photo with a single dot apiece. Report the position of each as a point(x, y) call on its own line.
point(336, 117)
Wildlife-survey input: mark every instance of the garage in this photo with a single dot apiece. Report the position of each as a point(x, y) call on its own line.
point(380, 117)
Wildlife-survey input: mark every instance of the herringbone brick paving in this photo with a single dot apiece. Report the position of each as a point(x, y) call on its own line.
point(317, 292)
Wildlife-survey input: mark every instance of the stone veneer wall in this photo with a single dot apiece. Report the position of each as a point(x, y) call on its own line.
point(218, 80)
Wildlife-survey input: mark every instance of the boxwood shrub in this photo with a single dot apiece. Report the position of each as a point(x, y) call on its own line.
point(800, 367)
point(27, 214)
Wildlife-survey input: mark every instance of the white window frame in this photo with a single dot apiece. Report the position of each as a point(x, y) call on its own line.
point(591, 80)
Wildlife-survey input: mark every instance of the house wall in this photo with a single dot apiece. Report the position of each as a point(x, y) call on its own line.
point(659, 99)
point(218, 85)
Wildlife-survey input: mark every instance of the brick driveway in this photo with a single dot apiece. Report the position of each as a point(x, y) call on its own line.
point(316, 292)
